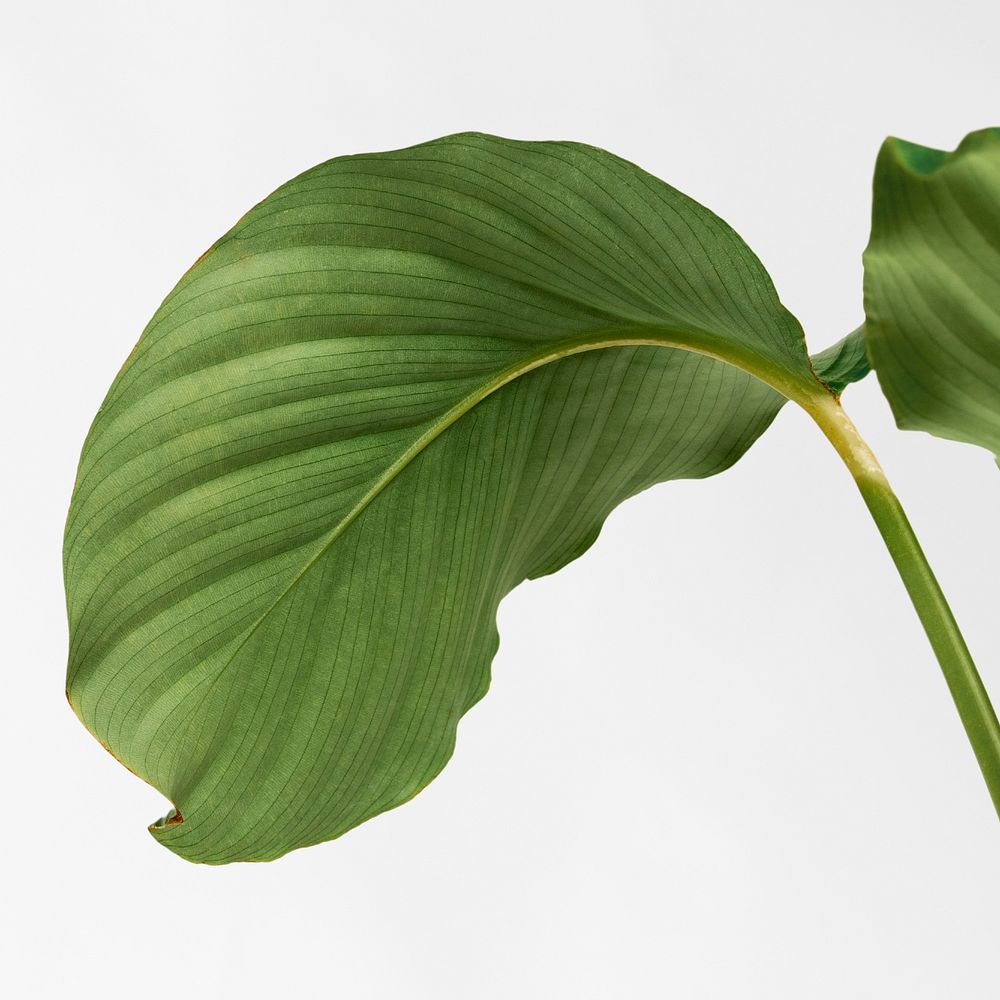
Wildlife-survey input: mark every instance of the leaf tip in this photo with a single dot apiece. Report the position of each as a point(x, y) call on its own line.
point(173, 818)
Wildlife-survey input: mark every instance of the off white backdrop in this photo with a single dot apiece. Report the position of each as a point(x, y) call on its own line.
point(718, 759)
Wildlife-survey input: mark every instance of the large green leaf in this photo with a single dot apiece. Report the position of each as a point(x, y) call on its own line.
point(932, 286)
point(366, 414)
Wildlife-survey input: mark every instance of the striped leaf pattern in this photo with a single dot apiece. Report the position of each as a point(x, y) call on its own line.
point(367, 413)
point(932, 286)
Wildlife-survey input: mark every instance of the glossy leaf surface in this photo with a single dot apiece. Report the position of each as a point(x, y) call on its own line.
point(932, 286)
point(400, 385)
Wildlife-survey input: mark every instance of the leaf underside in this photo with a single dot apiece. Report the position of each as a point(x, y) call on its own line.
point(291, 528)
point(932, 286)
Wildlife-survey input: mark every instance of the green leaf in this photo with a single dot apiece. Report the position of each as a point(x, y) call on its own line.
point(932, 286)
point(843, 363)
point(399, 386)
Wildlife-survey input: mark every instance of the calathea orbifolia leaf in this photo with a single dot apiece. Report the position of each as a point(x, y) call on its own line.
point(400, 385)
point(932, 286)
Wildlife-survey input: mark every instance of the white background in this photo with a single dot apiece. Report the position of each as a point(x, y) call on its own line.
point(718, 759)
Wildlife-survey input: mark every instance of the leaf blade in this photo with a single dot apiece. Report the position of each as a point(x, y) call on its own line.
point(932, 286)
point(283, 560)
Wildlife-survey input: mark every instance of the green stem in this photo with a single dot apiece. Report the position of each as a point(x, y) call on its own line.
point(964, 682)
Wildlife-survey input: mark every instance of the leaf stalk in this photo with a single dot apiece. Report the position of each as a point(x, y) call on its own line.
point(960, 673)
